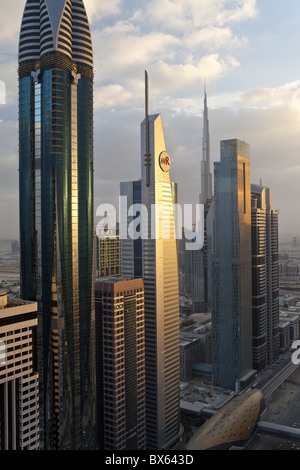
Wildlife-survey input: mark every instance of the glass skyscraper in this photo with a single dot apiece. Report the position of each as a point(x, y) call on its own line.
point(231, 275)
point(56, 211)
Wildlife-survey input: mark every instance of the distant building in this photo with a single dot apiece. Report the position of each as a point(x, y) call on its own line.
point(284, 335)
point(197, 260)
point(195, 350)
point(120, 364)
point(131, 248)
point(108, 252)
point(288, 300)
point(19, 382)
point(190, 350)
point(195, 279)
point(289, 271)
point(265, 278)
point(294, 322)
point(15, 247)
point(232, 268)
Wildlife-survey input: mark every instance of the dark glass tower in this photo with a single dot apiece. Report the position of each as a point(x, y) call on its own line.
point(232, 268)
point(56, 211)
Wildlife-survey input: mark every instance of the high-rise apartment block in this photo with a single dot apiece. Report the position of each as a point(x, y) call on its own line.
point(232, 268)
point(120, 364)
point(19, 381)
point(56, 211)
point(265, 278)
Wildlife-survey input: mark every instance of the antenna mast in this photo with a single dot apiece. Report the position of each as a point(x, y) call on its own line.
point(147, 154)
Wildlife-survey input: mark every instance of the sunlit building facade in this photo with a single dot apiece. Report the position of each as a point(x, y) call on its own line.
point(120, 364)
point(19, 381)
point(56, 211)
point(160, 276)
point(149, 248)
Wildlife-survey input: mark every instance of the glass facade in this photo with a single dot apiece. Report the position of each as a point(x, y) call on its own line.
point(231, 268)
point(56, 228)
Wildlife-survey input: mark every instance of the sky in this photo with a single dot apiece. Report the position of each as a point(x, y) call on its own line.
point(246, 50)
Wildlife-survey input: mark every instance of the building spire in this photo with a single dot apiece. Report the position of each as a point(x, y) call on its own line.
point(206, 176)
point(147, 154)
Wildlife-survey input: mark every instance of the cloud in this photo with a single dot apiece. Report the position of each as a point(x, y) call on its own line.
point(213, 38)
point(284, 95)
point(112, 95)
point(171, 77)
point(127, 48)
point(10, 21)
point(97, 10)
point(194, 13)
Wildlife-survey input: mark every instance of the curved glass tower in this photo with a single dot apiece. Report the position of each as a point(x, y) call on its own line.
point(56, 211)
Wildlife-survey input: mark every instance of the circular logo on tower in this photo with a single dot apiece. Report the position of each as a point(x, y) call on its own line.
point(164, 161)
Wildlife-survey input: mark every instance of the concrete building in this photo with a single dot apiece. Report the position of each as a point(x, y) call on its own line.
point(265, 278)
point(190, 350)
point(120, 364)
point(294, 321)
point(284, 335)
point(19, 381)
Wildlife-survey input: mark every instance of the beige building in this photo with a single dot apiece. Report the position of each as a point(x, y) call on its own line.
point(19, 389)
point(120, 364)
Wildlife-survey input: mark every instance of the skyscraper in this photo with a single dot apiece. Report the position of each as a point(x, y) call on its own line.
point(265, 278)
point(56, 211)
point(153, 221)
point(232, 268)
point(131, 248)
point(19, 384)
point(160, 276)
point(120, 345)
point(206, 175)
point(197, 260)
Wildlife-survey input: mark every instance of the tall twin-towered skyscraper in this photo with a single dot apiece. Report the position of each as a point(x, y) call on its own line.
point(56, 211)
